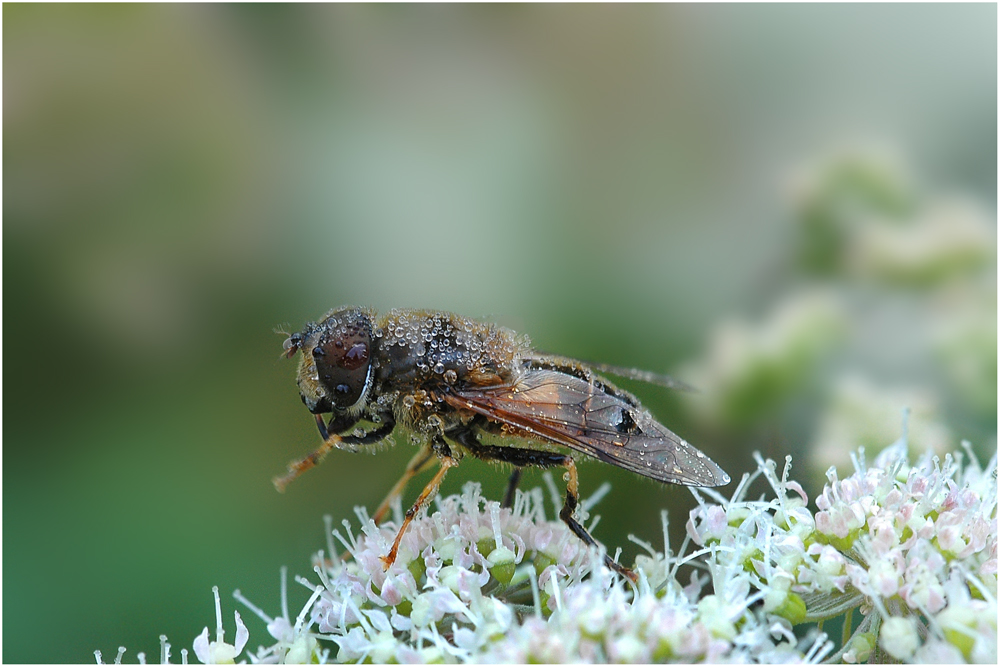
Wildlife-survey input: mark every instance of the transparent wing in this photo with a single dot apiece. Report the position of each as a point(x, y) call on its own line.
point(649, 377)
point(566, 410)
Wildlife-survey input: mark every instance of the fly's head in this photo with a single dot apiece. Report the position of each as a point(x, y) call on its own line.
point(335, 368)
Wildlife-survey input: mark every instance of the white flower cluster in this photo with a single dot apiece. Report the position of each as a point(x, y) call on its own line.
point(478, 583)
point(913, 548)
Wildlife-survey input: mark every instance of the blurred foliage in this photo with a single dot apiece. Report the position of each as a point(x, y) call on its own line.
point(181, 180)
point(886, 271)
point(829, 208)
point(752, 373)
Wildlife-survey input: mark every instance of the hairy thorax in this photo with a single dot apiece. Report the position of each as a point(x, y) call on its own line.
point(420, 353)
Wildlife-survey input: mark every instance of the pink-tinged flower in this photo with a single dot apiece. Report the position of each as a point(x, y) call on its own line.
point(922, 588)
point(884, 534)
point(883, 576)
point(826, 569)
point(950, 540)
point(707, 523)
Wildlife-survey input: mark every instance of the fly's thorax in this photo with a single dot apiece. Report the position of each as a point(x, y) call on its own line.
point(417, 349)
point(426, 416)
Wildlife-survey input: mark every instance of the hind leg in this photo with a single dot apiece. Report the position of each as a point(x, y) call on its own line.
point(521, 457)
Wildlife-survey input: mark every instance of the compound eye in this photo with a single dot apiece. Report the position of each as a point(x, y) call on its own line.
point(343, 364)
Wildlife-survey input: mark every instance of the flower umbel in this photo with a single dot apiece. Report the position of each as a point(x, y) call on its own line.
point(475, 582)
point(911, 547)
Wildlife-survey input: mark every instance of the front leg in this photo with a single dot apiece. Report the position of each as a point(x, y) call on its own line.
point(334, 441)
point(337, 424)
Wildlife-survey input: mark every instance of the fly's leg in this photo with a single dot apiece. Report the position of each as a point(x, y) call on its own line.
point(323, 431)
point(466, 435)
point(332, 441)
point(521, 457)
point(512, 482)
point(422, 501)
point(423, 460)
point(296, 468)
point(568, 516)
point(337, 424)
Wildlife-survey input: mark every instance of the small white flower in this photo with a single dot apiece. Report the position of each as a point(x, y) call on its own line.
point(883, 576)
point(219, 652)
point(899, 637)
point(936, 652)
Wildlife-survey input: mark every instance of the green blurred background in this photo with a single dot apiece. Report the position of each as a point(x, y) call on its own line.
point(791, 206)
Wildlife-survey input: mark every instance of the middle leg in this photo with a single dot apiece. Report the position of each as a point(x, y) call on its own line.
point(423, 500)
point(466, 436)
point(521, 457)
point(421, 461)
point(512, 482)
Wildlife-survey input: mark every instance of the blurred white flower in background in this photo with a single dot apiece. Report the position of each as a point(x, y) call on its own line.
point(753, 370)
point(891, 303)
point(865, 415)
point(949, 240)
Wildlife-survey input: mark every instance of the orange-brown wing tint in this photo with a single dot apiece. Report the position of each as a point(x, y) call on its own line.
point(569, 411)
